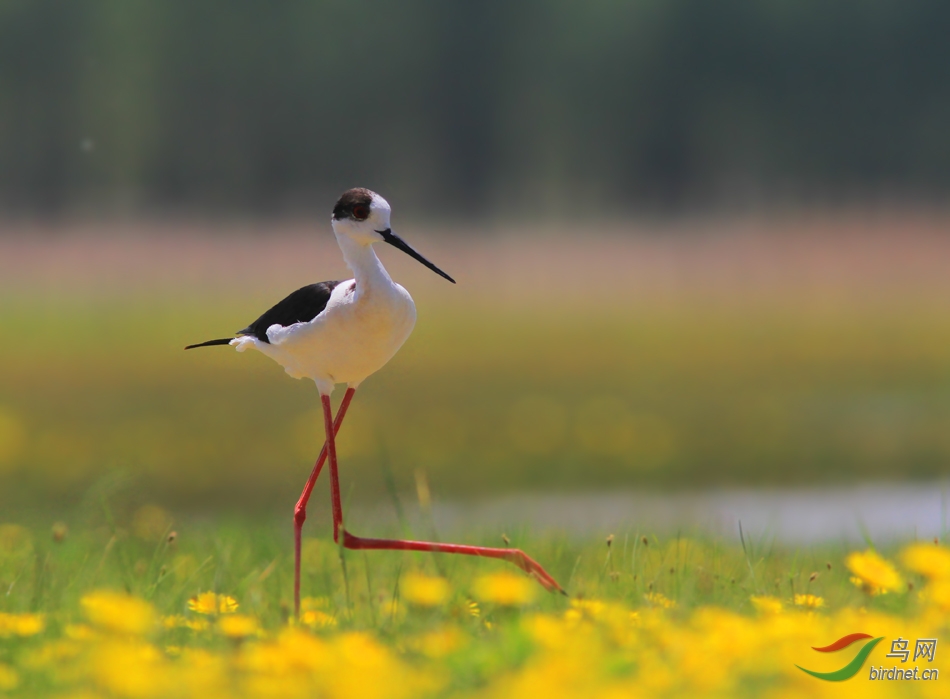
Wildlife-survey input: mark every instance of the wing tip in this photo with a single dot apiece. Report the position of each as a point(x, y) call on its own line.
point(210, 343)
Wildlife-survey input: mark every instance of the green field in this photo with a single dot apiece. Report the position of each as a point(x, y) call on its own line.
point(676, 616)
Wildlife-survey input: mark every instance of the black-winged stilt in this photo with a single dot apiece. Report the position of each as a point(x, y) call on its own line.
point(341, 332)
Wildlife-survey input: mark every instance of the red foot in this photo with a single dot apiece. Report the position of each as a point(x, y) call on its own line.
point(516, 556)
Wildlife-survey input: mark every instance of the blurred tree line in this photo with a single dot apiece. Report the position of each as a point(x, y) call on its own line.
point(577, 108)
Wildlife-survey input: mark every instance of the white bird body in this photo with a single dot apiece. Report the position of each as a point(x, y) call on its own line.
point(341, 332)
point(365, 322)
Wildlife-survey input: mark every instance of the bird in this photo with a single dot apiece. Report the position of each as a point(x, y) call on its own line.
point(341, 332)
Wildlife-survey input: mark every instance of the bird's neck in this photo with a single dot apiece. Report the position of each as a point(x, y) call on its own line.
point(367, 269)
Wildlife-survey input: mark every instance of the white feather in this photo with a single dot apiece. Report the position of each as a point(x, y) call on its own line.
point(365, 322)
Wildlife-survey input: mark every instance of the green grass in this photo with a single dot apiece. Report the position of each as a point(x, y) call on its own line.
point(252, 560)
point(636, 607)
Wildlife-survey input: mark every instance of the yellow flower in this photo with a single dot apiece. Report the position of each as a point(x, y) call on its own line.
point(8, 678)
point(438, 643)
point(812, 601)
point(238, 626)
point(872, 573)
point(177, 621)
point(197, 624)
point(938, 594)
point(173, 622)
point(80, 632)
point(585, 609)
point(21, 624)
point(130, 669)
point(316, 619)
point(933, 562)
point(765, 604)
point(210, 603)
point(473, 609)
point(117, 612)
point(506, 589)
point(423, 590)
point(657, 599)
point(547, 630)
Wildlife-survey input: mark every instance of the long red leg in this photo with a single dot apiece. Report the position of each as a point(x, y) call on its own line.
point(300, 511)
point(516, 556)
point(519, 558)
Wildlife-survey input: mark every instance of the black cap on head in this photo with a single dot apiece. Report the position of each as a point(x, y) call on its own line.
point(353, 204)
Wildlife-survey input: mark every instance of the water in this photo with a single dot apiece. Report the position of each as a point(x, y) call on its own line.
point(879, 512)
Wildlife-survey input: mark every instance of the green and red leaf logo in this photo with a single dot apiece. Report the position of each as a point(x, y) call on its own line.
point(851, 669)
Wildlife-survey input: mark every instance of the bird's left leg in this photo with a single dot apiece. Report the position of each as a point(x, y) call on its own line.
point(300, 511)
point(519, 558)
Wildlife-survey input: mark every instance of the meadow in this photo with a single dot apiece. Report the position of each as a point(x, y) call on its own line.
point(146, 492)
point(154, 607)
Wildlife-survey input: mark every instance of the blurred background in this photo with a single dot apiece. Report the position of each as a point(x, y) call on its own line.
point(700, 246)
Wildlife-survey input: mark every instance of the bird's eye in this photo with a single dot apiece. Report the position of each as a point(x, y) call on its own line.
point(361, 212)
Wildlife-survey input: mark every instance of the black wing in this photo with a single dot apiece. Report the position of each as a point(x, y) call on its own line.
point(301, 306)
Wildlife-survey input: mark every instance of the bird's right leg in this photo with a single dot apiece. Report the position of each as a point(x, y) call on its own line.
point(300, 511)
point(519, 558)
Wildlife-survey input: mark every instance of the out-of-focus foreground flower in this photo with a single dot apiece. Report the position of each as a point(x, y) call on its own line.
point(424, 590)
point(506, 589)
point(873, 574)
point(210, 603)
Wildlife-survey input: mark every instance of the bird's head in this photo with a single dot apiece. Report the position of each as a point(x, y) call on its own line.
point(363, 216)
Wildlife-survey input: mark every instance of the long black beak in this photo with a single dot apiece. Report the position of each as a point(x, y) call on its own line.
point(401, 244)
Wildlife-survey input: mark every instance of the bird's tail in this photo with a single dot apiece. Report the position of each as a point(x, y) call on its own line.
point(209, 343)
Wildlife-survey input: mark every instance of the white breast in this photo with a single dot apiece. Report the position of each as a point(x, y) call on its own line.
point(356, 335)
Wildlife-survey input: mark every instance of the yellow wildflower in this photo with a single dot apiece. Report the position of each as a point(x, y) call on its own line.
point(657, 599)
point(21, 624)
point(473, 609)
point(873, 574)
point(811, 601)
point(130, 669)
point(438, 643)
point(585, 609)
point(238, 626)
point(8, 678)
point(117, 612)
point(210, 603)
point(933, 562)
point(177, 621)
point(197, 624)
point(765, 604)
point(547, 630)
point(506, 589)
point(316, 619)
point(938, 594)
point(80, 632)
point(424, 590)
